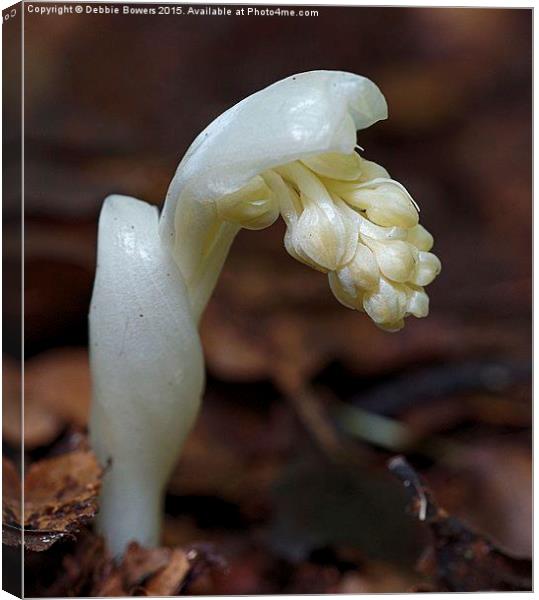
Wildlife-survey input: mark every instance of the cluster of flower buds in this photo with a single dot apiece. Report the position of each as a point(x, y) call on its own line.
point(346, 217)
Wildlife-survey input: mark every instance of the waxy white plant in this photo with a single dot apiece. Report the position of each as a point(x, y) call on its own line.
point(287, 150)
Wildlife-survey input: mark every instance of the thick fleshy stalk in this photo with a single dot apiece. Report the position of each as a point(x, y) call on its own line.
point(147, 370)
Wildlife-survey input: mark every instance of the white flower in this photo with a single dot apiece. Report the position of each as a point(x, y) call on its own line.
point(301, 117)
point(290, 149)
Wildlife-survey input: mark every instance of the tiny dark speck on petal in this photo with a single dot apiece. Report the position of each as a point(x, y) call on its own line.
point(141, 315)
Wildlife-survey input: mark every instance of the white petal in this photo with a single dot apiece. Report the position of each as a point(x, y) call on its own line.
point(371, 170)
point(361, 272)
point(392, 327)
point(335, 165)
point(351, 230)
point(319, 236)
point(418, 302)
point(254, 206)
point(387, 203)
point(377, 232)
point(427, 269)
point(327, 230)
point(396, 259)
point(420, 238)
point(387, 305)
point(353, 301)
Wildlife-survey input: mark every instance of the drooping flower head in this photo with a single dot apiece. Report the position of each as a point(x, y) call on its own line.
point(290, 150)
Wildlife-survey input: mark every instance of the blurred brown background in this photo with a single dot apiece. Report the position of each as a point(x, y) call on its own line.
point(113, 102)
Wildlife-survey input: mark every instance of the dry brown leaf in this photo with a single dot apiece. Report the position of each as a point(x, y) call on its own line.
point(142, 571)
point(169, 580)
point(138, 564)
point(11, 503)
point(112, 586)
point(83, 571)
point(90, 571)
point(60, 498)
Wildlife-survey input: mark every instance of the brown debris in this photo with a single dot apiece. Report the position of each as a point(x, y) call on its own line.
point(11, 503)
point(84, 570)
point(141, 572)
point(169, 580)
point(90, 571)
point(140, 563)
point(60, 498)
point(459, 560)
